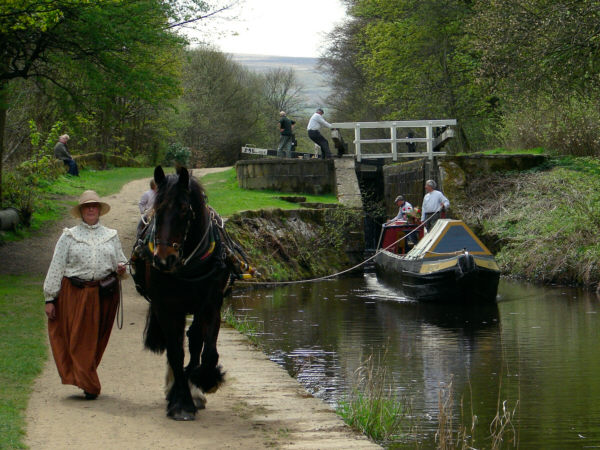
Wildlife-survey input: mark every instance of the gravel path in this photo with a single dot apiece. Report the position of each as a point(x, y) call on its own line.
point(259, 406)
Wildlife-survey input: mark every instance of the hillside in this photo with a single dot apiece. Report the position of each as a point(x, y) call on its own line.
point(316, 84)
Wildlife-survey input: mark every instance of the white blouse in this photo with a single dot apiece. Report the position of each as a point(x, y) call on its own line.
point(90, 252)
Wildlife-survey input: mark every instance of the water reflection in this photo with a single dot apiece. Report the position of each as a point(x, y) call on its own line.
point(535, 348)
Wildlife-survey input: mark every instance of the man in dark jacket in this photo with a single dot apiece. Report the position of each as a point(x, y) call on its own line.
point(287, 137)
point(61, 152)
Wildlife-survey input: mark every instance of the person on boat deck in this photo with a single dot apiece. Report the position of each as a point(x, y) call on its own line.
point(433, 203)
point(404, 209)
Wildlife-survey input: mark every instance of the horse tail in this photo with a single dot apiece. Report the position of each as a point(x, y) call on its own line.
point(154, 339)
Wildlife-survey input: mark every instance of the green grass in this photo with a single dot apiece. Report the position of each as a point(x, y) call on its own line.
point(104, 182)
point(22, 352)
point(372, 407)
point(504, 151)
point(587, 165)
point(243, 325)
point(53, 199)
point(542, 226)
point(227, 198)
point(381, 419)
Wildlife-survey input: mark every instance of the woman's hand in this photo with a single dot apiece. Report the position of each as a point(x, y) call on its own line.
point(121, 268)
point(50, 311)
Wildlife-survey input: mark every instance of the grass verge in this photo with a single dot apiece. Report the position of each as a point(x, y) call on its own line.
point(504, 151)
point(22, 352)
point(227, 198)
point(243, 325)
point(542, 225)
point(52, 199)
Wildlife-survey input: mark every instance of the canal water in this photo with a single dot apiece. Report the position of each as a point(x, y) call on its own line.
point(532, 358)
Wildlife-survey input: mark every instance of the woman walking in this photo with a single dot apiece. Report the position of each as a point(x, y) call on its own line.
point(82, 294)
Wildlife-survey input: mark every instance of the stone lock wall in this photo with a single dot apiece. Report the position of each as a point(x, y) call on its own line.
point(456, 171)
point(311, 176)
point(405, 179)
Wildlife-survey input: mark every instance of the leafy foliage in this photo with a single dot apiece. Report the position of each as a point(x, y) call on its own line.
point(562, 126)
point(177, 154)
point(220, 110)
point(20, 190)
point(516, 73)
point(413, 60)
point(539, 45)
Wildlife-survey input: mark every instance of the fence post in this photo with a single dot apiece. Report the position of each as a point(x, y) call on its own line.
point(394, 143)
point(429, 136)
point(357, 141)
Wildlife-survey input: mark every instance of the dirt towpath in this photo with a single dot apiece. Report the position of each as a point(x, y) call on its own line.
point(260, 406)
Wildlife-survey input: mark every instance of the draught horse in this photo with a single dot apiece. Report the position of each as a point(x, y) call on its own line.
point(187, 275)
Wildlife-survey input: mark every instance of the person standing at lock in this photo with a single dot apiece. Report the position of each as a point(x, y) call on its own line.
point(286, 136)
point(314, 125)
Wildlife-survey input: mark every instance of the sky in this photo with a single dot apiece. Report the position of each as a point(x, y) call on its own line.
point(278, 28)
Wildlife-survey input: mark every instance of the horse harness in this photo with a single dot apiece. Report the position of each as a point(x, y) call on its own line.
point(216, 250)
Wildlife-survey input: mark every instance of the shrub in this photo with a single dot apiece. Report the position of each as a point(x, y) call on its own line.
point(177, 154)
point(19, 185)
point(565, 126)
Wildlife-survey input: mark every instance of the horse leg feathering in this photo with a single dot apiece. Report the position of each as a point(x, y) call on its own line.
point(197, 395)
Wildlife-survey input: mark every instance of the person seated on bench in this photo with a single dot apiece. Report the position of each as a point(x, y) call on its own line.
point(61, 152)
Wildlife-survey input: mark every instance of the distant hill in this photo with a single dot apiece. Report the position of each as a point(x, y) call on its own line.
point(316, 85)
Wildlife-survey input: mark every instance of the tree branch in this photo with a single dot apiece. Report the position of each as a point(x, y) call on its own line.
point(185, 22)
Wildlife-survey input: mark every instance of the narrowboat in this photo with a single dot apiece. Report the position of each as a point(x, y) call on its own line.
point(448, 264)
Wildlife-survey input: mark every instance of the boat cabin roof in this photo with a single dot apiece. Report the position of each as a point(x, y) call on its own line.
point(446, 238)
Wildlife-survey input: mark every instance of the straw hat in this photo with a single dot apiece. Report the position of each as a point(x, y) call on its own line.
point(89, 197)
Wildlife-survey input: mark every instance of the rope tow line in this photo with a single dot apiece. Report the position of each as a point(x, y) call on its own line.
point(326, 277)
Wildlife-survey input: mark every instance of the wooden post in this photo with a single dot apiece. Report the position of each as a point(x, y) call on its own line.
point(394, 143)
point(357, 141)
point(429, 136)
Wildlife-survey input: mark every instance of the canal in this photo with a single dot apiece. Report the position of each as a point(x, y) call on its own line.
point(531, 358)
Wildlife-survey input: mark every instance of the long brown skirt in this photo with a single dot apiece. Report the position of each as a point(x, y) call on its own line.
point(80, 333)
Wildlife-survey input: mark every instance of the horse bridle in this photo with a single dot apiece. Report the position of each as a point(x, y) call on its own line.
point(175, 245)
point(191, 216)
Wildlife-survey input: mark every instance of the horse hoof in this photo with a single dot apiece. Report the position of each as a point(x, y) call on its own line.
point(184, 416)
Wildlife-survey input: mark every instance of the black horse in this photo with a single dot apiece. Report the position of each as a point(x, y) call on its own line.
point(186, 273)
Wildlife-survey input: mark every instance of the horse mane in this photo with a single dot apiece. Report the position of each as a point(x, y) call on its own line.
point(167, 191)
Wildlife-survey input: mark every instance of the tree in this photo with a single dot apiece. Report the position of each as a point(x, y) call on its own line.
point(93, 48)
point(531, 46)
point(540, 60)
point(341, 61)
point(282, 91)
point(410, 59)
point(221, 108)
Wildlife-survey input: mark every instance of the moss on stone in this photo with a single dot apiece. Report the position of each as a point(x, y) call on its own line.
point(298, 244)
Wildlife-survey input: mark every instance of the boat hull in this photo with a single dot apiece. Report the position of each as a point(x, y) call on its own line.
point(452, 282)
